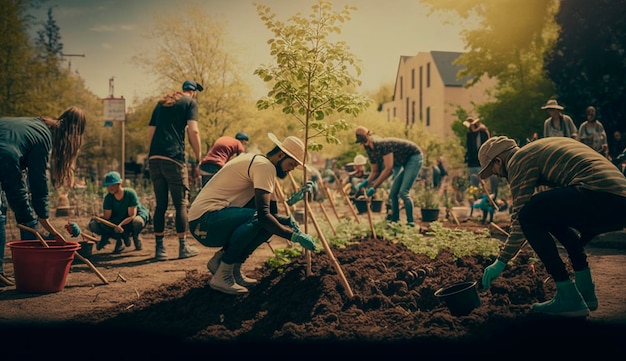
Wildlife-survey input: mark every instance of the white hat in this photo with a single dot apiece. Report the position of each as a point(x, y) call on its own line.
point(292, 146)
point(359, 160)
point(552, 104)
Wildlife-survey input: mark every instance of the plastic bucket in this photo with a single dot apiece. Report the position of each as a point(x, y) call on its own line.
point(460, 298)
point(38, 269)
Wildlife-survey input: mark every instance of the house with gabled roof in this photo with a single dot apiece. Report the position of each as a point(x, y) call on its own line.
point(427, 91)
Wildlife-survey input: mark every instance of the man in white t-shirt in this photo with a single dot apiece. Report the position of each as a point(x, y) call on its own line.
point(233, 211)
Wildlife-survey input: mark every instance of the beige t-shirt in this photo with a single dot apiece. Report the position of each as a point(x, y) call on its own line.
point(234, 184)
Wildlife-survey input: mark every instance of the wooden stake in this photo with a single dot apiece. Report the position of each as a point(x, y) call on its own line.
point(369, 216)
point(104, 221)
point(327, 218)
point(330, 199)
point(500, 229)
point(329, 251)
point(350, 204)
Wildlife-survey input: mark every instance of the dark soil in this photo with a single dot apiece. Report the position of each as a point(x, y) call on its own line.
point(289, 315)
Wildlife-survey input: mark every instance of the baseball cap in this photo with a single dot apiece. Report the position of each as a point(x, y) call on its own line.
point(242, 136)
point(492, 148)
point(112, 178)
point(192, 85)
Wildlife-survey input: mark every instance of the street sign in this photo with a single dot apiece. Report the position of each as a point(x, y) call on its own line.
point(114, 109)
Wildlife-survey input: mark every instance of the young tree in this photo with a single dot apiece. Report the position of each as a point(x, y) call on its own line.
point(313, 78)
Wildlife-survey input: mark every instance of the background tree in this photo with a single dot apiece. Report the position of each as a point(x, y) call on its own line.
point(588, 64)
point(198, 49)
point(509, 44)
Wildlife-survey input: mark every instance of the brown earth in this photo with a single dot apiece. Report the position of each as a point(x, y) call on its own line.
point(167, 308)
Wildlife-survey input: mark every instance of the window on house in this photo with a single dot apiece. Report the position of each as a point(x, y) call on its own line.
point(394, 112)
point(413, 78)
point(428, 75)
point(421, 93)
point(401, 88)
point(413, 112)
point(406, 112)
point(427, 116)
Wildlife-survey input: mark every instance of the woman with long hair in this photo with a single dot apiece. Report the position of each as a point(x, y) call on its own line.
point(26, 145)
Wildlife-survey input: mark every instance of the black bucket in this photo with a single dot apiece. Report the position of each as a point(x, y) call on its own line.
point(460, 298)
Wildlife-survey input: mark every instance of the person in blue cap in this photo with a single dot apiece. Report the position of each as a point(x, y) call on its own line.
point(221, 152)
point(174, 115)
point(121, 206)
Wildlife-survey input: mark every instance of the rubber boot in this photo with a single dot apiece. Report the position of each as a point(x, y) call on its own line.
point(567, 302)
point(586, 287)
point(223, 280)
point(214, 262)
point(240, 278)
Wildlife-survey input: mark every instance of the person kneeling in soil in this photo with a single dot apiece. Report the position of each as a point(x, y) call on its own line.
point(579, 179)
point(121, 207)
point(221, 215)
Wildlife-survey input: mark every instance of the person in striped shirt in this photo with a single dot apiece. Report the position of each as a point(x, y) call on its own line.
point(579, 179)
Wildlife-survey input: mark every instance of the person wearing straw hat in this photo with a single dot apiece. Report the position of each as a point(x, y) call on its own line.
point(234, 211)
point(580, 180)
point(477, 134)
point(558, 124)
point(121, 207)
point(357, 175)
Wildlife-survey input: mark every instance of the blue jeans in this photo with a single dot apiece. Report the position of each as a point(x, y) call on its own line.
point(236, 230)
point(403, 179)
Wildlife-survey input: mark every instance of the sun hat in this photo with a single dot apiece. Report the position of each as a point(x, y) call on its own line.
point(112, 178)
point(470, 121)
point(361, 134)
point(552, 104)
point(292, 146)
point(359, 160)
point(242, 136)
point(192, 85)
point(492, 148)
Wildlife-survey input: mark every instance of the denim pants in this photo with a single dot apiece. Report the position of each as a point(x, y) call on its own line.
point(403, 179)
point(236, 230)
point(557, 213)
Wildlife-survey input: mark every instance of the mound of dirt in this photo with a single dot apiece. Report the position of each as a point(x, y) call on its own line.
point(394, 311)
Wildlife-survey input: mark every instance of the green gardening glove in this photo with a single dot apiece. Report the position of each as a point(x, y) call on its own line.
point(370, 192)
point(293, 224)
point(492, 272)
point(304, 239)
point(299, 195)
point(360, 186)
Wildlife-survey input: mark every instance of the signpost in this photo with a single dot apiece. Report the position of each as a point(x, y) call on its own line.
point(115, 111)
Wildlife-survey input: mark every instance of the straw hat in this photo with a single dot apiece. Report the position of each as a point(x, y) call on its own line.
point(359, 160)
point(292, 146)
point(470, 121)
point(552, 104)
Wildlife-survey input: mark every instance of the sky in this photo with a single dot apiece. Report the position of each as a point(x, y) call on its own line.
point(109, 33)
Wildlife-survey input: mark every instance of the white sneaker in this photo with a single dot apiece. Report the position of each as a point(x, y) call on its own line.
point(240, 278)
point(215, 261)
point(224, 281)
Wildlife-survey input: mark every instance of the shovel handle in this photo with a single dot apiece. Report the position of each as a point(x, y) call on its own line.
point(104, 221)
point(26, 228)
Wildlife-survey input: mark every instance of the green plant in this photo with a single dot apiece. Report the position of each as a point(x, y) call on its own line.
point(427, 196)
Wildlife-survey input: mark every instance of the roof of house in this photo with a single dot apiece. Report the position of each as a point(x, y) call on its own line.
point(444, 61)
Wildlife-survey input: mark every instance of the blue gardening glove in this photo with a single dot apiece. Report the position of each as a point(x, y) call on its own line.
point(492, 272)
point(294, 225)
point(361, 185)
point(370, 192)
point(299, 195)
point(73, 229)
point(304, 239)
